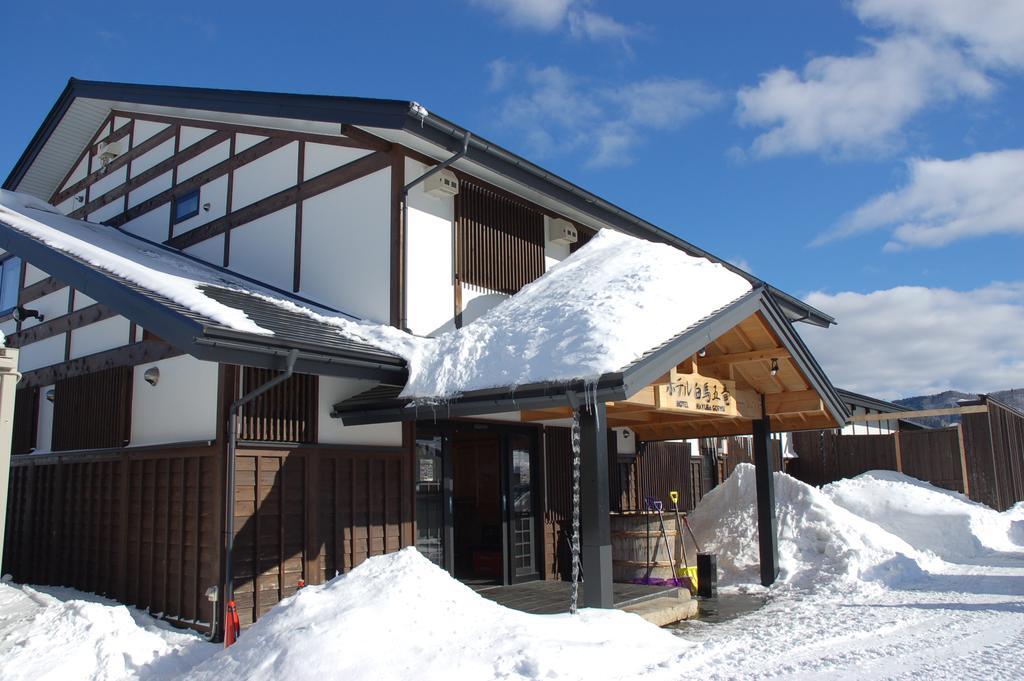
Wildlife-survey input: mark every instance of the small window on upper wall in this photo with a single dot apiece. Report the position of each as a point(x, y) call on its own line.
point(186, 206)
point(10, 280)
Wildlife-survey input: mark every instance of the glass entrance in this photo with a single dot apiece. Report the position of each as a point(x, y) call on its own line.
point(522, 516)
point(430, 499)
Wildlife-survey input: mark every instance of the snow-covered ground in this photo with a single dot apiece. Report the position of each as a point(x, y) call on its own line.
point(882, 577)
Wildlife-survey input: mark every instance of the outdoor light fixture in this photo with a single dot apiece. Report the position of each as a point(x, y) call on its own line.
point(152, 375)
point(703, 351)
point(775, 367)
point(23, 313)
point(50, 395)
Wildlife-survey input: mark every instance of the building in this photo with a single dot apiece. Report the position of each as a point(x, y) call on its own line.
point(216, 220)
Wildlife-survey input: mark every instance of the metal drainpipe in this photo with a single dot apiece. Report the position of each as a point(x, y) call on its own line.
point(229, 478)
point(404, 321)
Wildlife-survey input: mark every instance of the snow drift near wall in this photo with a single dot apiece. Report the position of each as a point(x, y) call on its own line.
point(818, 540)
point(401, 617)
point(929, 518)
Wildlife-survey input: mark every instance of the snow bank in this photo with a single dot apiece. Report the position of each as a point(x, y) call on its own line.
point(400, 617)
point(45, 638)
point(596, 312)
point(819, 542)
point(929, 518)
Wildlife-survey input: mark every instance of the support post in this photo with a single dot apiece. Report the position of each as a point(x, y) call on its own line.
point(9, 378)
point(596, 539)
point(767, 535)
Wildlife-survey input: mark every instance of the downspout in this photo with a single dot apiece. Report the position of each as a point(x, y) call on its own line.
point(404, 317)
point(229, 478)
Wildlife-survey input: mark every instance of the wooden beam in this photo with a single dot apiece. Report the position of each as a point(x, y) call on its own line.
point(718, 361)
point(195, 182)
point(545, 414)
point(920, 414)
point(128, 355)
point(91, 178)
point(58, 325)
point(165, 166)
point(349, 172)
point(792, 402)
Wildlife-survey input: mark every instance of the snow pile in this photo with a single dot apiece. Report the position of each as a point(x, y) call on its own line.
point(819, 542)
point(596, 312)
point(44, 638)
point(400, 617)
point(929, 518)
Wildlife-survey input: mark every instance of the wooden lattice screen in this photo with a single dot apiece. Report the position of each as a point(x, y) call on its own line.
point(93, 411)
point(285, 413)
point(500, 241)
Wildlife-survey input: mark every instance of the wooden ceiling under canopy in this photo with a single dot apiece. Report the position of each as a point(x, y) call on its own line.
point(719, 393)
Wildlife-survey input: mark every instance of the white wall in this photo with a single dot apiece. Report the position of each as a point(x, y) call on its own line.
point(211, 250)
point(265, 176)
point(625, 440)
point(8, 327)
point(152, 225)
point(44, 428)
point(346, 247)
point(265, 249)
point(476, 301)
point(82, 300)
point(208, 158)
point(553, 253)
point(51, 306)
point(42, 353)
point(181, 407)
point(107, 182)
point(430, 290)
point(158, 184)
point(190, 135)
point(33, 274)
point(157, 154)
point(319, 158)
point(332, 431)
point(105, 335)
point(144, 130)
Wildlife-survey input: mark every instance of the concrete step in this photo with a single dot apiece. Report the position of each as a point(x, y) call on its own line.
point(666, 610)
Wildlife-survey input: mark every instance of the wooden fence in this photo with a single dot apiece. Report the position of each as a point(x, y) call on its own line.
point(934, 456)
point(141, 527)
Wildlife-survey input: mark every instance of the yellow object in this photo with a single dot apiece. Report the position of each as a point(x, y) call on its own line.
point(674, 496)
point(688, 572)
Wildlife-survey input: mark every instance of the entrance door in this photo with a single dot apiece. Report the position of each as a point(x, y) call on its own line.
point(431, 507)
point(522, 508)
point(476, 507)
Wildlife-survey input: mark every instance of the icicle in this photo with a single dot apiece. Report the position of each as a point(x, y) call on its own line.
point(574, 541)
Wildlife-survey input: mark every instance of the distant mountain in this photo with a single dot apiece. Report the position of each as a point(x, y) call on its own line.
point(1013, 397)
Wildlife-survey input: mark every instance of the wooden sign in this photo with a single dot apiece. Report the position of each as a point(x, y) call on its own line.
point(696, 394)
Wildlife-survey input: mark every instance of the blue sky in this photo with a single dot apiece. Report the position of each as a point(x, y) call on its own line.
point(839, 150)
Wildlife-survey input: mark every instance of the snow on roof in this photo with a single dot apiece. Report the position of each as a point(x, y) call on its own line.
point(595, 313)
point(157, 269)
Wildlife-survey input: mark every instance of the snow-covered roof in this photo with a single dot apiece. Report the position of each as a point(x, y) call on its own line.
point(135, 277)
point(597, 312)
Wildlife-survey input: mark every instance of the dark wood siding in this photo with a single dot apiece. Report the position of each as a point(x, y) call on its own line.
point(139, 527)
point(932, 455)
point(660, 468)
point(311, 513)
point(26, 420)
point(499, 241)
point(93, 411)
point(285, 413)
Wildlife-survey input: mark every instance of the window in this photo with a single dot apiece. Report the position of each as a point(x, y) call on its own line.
point(10, 280)
point(186, 206)
point(285, 413)
point(93, 411)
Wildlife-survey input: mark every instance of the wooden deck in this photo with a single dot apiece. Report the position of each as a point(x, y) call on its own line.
point(548, 597)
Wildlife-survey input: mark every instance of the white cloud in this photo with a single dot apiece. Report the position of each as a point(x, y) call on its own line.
point(549, 15)
point(559, 112)
point(854, 105)
point(501, 72)
point(917, 341)
point(944, 201)
point(993, 31)
point(545, 15)
point(587, 24)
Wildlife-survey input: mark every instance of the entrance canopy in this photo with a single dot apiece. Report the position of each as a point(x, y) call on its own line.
point(738, 364)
